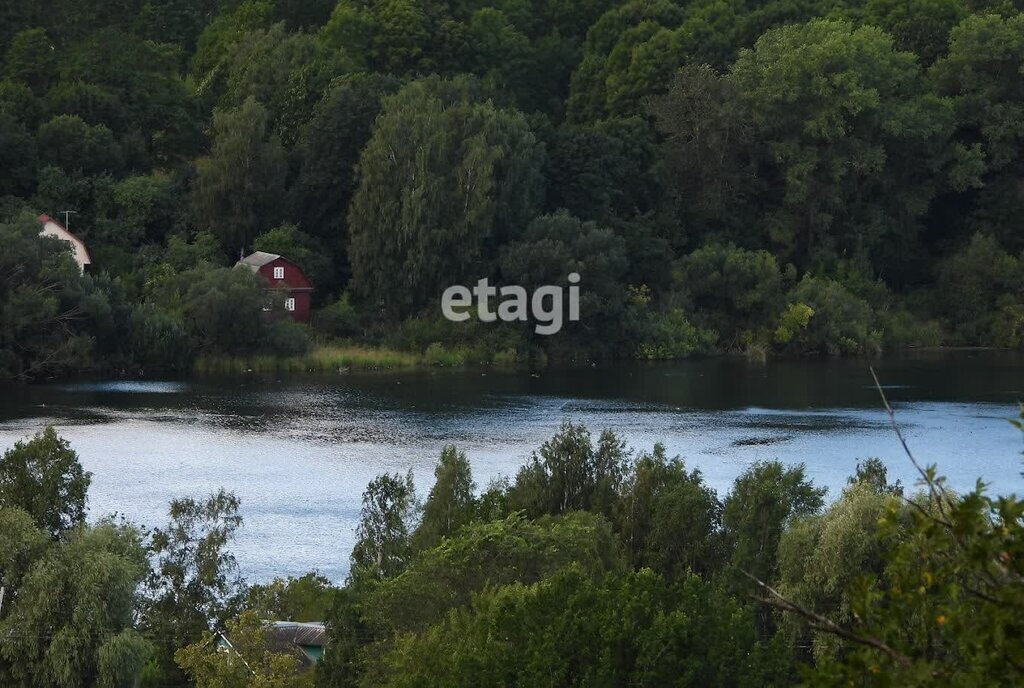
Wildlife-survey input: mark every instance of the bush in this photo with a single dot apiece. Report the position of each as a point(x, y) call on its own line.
point(224, 309)
point(671, 335)
point(158, 340)
point(338, 319)
point(1008, 326)
point(970, 285)
point(287, 338)
point(437, 355)
point(903, 329)
point(841, 324)
point(731, 290)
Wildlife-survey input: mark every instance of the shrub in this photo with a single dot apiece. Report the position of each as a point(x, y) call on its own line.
point(731, 290)
point(437, 355)
point(158, 340)
point(971, 283)
point(841, 322)
point(671, 335)
point(287, 338)
point(338, 319)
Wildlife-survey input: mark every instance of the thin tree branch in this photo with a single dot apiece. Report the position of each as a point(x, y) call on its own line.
point(932, 490)
point(819, 622)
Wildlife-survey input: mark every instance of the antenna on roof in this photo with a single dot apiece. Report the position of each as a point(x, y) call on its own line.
point(67, 218)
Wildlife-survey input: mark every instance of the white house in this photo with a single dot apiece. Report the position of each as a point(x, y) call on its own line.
point(55, 229)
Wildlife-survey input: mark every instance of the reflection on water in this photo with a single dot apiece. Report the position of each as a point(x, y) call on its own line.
point(299, 451)
point(126, 387)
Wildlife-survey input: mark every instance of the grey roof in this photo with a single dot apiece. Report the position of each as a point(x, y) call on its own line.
point(254, 261)
point(300, 633)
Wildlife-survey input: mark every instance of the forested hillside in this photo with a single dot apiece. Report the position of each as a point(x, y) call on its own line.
point(781, 177)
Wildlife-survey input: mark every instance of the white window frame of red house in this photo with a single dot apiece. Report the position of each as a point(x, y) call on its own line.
point(279, 272)
point(289, 304)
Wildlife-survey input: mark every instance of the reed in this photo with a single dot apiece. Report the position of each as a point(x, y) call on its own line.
point(321, 359)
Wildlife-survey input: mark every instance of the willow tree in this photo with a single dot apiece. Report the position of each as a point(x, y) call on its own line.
point(445, 177)
point(69, 621)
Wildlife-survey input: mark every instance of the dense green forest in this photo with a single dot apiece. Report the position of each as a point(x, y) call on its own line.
point(781, 177)
point(596, 565)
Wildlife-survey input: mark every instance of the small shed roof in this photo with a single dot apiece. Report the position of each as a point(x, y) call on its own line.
point(298, 632)
point(254, 261)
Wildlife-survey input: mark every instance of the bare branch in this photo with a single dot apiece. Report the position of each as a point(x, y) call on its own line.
point(932, 489)
point(821, 623)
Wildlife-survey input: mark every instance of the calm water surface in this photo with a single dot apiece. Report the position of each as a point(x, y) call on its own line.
point(299, 451)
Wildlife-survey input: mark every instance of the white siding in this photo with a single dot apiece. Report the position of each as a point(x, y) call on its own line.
point(51, 228)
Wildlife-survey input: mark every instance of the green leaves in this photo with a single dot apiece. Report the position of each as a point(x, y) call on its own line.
point(194, 584)
point(836, 107)
point(444, 178)
point(69, 621)
point(384, 537)
point(451, 503)
point(236, 192)
point(44, 478)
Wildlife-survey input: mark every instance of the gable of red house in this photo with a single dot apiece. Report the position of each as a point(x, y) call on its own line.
point(284, 277)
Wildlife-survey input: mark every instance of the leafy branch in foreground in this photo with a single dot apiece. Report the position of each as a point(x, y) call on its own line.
point(948, 604)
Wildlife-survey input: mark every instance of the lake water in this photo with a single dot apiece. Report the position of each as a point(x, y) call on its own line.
point(299, 451)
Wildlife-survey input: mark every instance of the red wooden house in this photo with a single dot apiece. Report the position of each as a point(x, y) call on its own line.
point(285, 279)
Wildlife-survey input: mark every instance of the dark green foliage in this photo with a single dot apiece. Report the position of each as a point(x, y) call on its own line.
point(30, 60)
point(568, 473)
point(223, 309)
point(976, 283)
point(44, 478)
point(444, 180)
point(630, 52)
point(840, 322)
point(603, 170)
point(306, 598)
point(329, 149)
point(18, 156)
point(670, 520)
point(873, 473)
point(194, 584)
point(569, 629)
point(763, 501)
point(286, 338)
point(159, 340)
point(552, 247)
point(40, 294)
point(338, 319)
point(483, 555)
point(985, 50)
point(384, 537)
point(77, 147)
point(450, 503)
point(836, 109)
point(237, 190)
point(394, 148)
point(731, 291)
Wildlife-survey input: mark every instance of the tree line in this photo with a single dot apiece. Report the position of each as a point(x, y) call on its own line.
point(594, 565)
point(769, 178)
